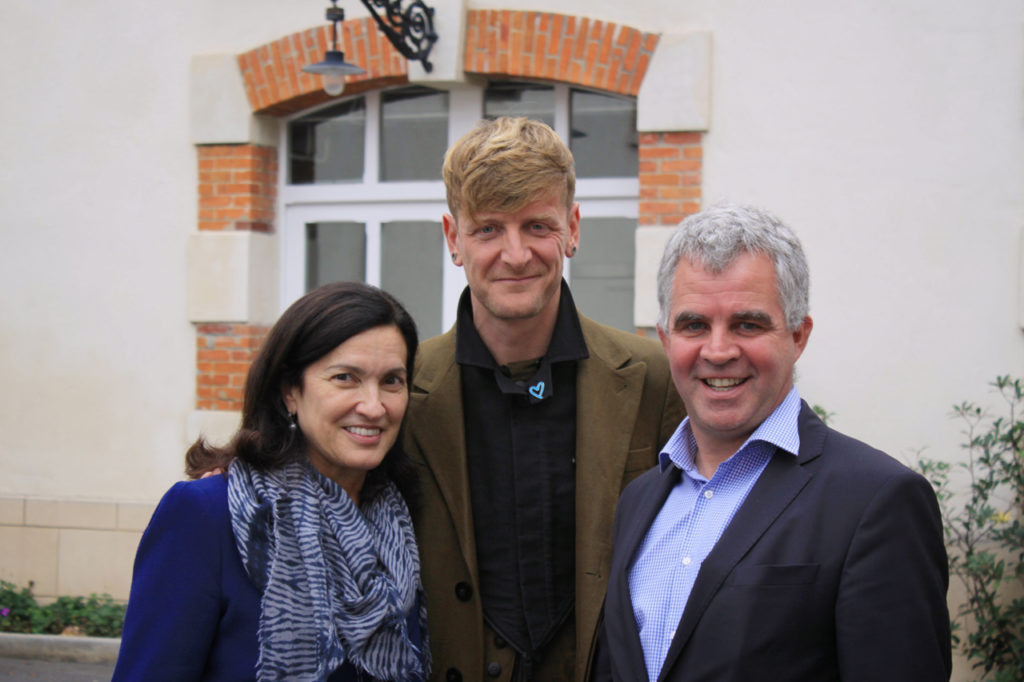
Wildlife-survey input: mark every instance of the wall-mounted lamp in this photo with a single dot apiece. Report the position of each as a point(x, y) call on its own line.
point(411, 32)
point(334, 68)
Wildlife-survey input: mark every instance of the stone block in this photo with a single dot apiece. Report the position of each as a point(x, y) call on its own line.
point(70, 514)
point(12, 511)
point(30, 554)
point(96, 561)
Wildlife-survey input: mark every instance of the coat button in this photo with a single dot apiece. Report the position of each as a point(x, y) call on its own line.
point(464, 591)
point(500, 642)
point(494, 668)
point(453, 675)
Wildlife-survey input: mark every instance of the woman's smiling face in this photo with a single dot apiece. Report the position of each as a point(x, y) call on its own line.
point(351, 403)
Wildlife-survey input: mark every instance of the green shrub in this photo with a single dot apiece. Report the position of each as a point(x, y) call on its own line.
point(16, 608)
point(96, 616)
point(984, 534)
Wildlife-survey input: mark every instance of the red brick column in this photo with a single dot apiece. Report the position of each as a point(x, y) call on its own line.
point(223, 355)
point(237, 187)
point(237, 191)
point(670, 177)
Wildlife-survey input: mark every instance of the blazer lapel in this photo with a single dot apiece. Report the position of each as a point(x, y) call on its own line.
point(782, 480)
point(436, 399)
point(606, 384)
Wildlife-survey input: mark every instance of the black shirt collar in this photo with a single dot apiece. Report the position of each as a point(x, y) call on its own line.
point(566, 343)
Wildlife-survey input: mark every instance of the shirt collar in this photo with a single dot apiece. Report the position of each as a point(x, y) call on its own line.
point(780, 429)
point(567, 342)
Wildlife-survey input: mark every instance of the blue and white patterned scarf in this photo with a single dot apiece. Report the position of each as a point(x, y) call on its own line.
point(337, 581)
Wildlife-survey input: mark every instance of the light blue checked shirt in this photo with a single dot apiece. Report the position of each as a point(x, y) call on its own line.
point(691, 521)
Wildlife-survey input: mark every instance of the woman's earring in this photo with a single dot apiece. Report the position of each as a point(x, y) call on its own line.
point(291, 422)
point(573, 251)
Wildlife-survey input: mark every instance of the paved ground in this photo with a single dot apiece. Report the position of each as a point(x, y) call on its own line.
point(27, 670)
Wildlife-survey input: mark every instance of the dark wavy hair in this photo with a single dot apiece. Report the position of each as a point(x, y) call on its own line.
point(311, 328)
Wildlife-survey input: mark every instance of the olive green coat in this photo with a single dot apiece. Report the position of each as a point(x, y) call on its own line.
point(627, 407)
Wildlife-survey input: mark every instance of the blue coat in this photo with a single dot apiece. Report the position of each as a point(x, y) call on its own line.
point(193, 613)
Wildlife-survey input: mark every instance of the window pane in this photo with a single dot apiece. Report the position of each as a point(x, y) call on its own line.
point(412, 257)
point(327, 145)
point(511, 98)
point(335, 252)
point(413, 134)
point(604, 139)
point(602, 271)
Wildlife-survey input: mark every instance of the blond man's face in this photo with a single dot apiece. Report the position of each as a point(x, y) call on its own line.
point(513, 261)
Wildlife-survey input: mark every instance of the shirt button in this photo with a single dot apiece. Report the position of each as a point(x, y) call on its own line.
point(687, 560)
point(708, 494)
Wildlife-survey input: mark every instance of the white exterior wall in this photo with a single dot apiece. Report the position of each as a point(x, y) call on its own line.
point(890, 135)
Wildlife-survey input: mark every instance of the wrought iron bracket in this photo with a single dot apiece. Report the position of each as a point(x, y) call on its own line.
point(411, 30)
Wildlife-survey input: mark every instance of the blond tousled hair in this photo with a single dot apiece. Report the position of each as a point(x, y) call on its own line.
point(504, 164)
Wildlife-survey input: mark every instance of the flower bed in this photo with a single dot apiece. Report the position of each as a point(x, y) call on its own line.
point(93, 616)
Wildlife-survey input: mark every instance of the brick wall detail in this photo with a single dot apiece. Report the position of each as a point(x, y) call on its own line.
point(557, 47)
point(237, 191)
point(223, 355)
point(237, 187)
point(276, 84)
point(543, 45)
point(670, 177)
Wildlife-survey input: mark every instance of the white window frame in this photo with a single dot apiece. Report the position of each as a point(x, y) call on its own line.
point(373, 202)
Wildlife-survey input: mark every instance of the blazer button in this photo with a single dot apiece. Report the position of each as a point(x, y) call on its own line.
point(453, 675)
point(494, 668)
point(464, 591)
point(500, 642)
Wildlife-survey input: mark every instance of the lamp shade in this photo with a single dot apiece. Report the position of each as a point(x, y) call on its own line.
point(333, 69)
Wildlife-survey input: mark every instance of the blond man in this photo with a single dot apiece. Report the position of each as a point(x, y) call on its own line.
point(526, 421)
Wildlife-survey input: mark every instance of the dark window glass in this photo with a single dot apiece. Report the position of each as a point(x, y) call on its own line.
point(512, 98)
point(413, 134)
point(411, 268)
point(327, 145)
point(602, 271)
point(335, 252)
point(604, 138)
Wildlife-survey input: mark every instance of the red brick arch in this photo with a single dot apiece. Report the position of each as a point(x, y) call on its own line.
point(276, 84)
point(541, 45)
point(558, 47)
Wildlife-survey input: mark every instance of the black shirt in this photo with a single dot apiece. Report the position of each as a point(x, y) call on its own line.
point(521, 447)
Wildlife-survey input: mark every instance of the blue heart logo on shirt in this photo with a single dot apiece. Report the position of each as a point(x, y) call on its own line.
point(537, 390)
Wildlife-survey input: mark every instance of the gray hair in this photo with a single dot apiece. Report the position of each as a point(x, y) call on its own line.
point(714, 238)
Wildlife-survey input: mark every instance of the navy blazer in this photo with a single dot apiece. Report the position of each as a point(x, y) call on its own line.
point(192, 612)
point(833, 568)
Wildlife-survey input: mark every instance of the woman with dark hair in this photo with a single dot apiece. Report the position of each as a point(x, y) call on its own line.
point(300, 563)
